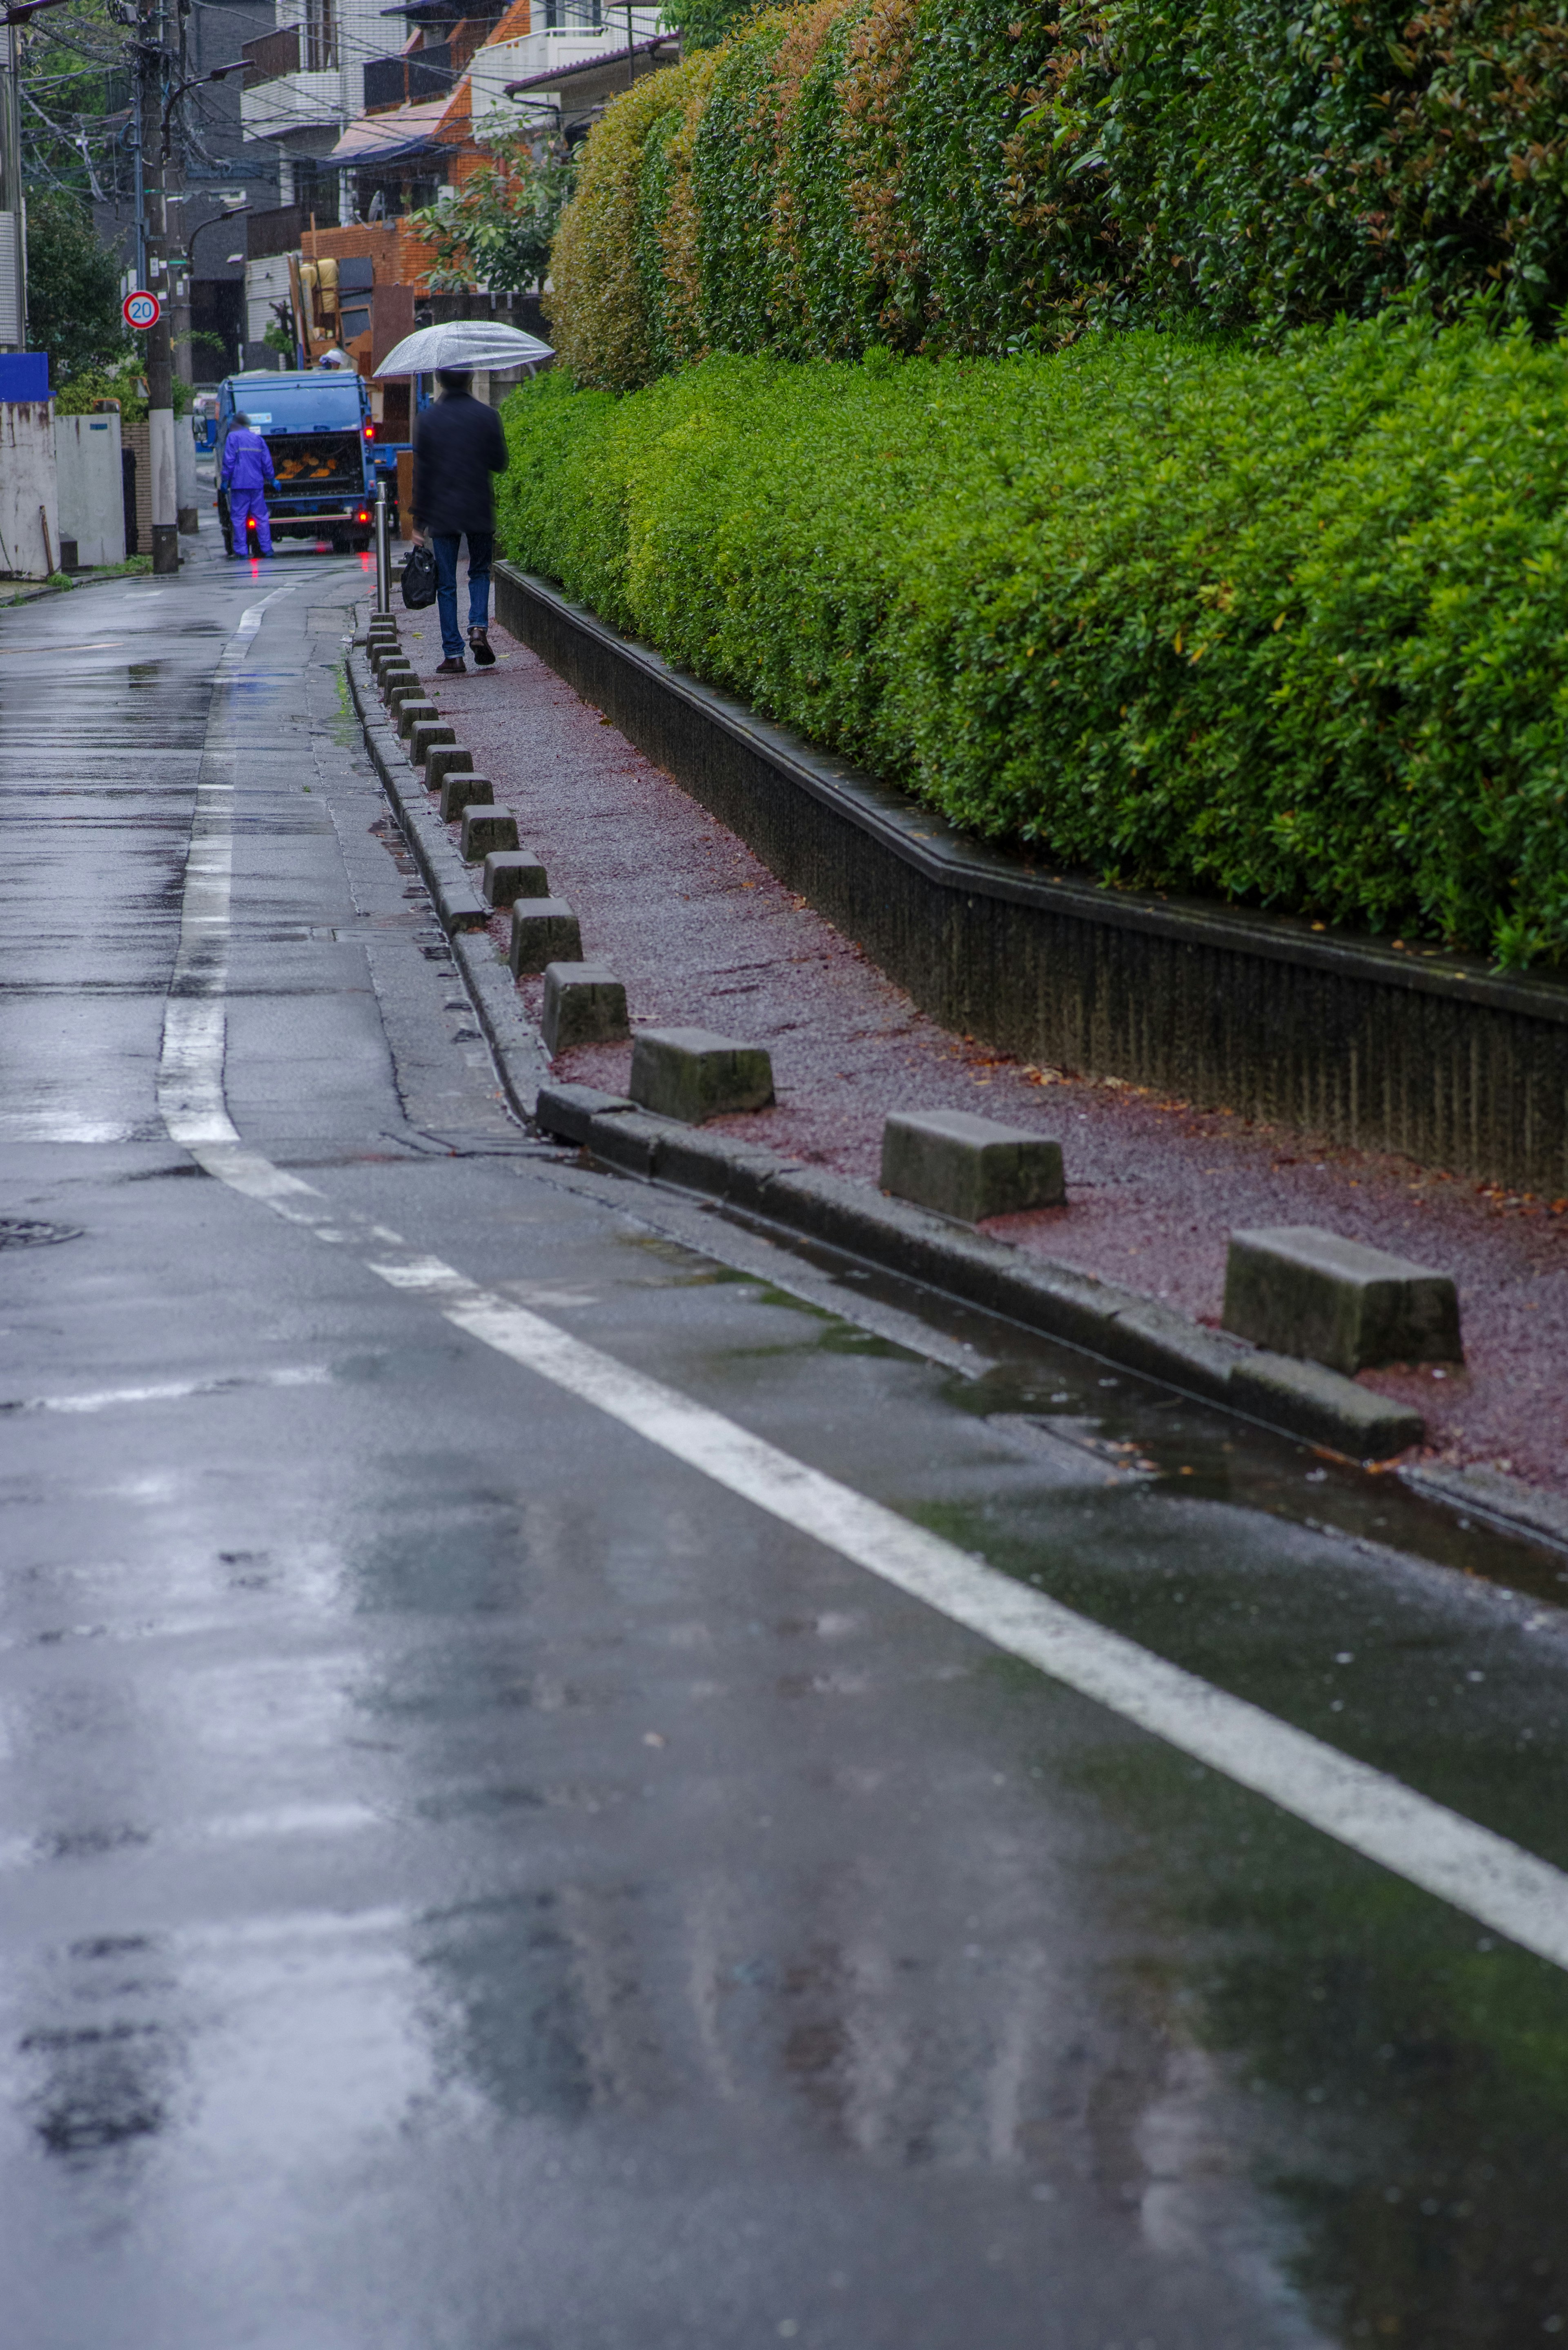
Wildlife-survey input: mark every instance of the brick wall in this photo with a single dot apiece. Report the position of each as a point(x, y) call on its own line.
point(400, 256)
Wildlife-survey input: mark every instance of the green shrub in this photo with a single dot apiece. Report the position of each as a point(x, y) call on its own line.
point(966, 176)
point(734, 174)
point(596, 306)
point(1290, 628)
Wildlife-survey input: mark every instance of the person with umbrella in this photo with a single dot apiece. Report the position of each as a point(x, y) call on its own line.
point(457, 445)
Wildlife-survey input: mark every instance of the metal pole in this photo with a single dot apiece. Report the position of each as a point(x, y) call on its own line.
point(13, 202)
point(383, 550)
point(159, 345)
point(139, 192)
point(631, 51)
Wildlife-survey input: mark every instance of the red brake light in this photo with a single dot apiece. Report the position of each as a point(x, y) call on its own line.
point(370, 431)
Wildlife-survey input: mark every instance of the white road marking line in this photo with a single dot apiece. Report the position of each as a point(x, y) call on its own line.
point(1479, 1872)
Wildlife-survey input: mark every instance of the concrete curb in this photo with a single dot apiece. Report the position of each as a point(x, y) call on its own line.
point(1497, 1499)
point(520, 1057)
point(1138, 1333)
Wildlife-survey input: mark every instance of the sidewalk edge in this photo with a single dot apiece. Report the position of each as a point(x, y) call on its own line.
point(1138, 1333)
point(515, 1046)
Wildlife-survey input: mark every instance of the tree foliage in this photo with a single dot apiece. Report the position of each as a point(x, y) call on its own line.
point(497, 231)
point(73, 287)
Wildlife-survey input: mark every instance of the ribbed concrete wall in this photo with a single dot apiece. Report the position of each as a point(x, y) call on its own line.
point(1431, 1056)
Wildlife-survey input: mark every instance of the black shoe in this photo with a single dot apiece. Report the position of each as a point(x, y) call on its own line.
point(480, 646)
point(455, 667)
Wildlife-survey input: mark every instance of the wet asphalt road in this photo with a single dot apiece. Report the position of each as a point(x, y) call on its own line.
point(469, 1882)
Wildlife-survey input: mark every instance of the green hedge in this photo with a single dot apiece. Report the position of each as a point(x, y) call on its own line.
point(968, 176)
point(1288, 628)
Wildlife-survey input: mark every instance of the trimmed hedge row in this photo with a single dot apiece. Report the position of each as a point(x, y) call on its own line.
point(1290, 628)
point(960, 175)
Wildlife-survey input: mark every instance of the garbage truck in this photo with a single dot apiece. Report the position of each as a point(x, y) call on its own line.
point(316, 423)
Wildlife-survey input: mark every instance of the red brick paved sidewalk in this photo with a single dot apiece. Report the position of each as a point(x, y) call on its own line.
point(703, 935)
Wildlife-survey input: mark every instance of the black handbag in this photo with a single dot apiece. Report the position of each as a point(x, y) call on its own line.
point(419, 579)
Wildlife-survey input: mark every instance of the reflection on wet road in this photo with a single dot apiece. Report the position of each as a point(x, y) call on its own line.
point(471, 1881)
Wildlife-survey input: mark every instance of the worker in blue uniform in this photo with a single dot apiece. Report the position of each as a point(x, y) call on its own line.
point(247, 475)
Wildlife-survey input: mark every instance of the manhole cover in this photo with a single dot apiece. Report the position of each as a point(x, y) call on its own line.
point(27, 1232)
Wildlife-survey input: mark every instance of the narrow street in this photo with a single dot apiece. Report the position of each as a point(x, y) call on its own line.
point(493, 1853)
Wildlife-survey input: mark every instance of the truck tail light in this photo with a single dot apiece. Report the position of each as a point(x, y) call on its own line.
point(370, 431)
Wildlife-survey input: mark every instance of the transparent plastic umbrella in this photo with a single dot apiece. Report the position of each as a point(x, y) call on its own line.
point(467, 344)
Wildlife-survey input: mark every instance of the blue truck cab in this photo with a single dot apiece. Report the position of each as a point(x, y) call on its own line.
point(317, 424)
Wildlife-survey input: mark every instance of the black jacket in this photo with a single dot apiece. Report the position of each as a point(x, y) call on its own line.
point(458, 446)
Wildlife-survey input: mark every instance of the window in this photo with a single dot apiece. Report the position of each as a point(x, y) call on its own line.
point(320, 36)
point(573, 16)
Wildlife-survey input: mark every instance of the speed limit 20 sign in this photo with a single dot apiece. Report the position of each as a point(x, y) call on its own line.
point(141, 308)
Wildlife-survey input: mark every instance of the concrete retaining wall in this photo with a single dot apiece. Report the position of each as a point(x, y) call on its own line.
point(29, 508)
point(92, 500)
point(1428, 1054)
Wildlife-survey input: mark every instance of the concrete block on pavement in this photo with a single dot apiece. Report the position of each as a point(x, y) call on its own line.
point(513, 873)
point(543, 930)
point(426, 734)
point(968, 1167)
point(410, 714)
point(485, 828)
point(690, 1074)
point(1312, 1293)
point(461, 788)
point(397, 674)
point(584, 1004)
point(403, 688)
point(446, 759)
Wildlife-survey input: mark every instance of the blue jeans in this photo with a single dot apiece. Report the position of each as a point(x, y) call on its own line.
point(443, 546)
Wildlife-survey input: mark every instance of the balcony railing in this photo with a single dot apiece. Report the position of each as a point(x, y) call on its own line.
point(271, 56)
point(405, 81)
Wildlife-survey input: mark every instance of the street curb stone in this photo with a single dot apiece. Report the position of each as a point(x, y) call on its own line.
point(968, 1167)
point(458, 902)
point(1330, 1299)
point(520, 1057)
point(1496, 1498)
point(543, 930)
point(446, 759)
point(1139, 1333)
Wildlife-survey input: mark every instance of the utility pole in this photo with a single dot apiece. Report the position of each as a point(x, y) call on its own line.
point(13, 211)
point(151, 61)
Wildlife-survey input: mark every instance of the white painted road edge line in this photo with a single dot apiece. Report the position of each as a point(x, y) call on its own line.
point(1477, 1872)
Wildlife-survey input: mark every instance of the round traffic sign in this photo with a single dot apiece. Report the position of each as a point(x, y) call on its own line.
point(141, 308)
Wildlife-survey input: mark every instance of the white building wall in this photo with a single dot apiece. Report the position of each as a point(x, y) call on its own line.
point(325, 100)
point(266, 282)
point(499, 62)
point(29, 504)
point(91, 498)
